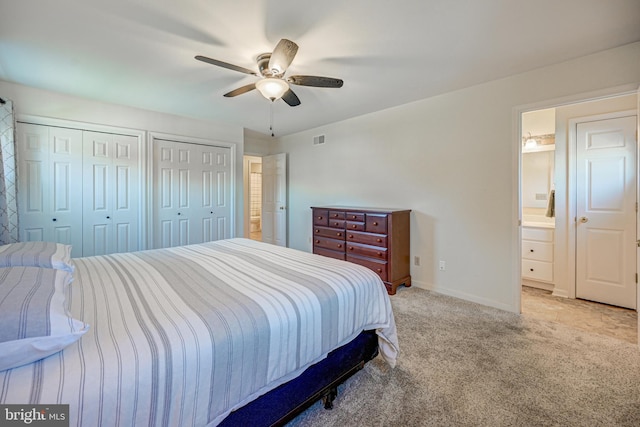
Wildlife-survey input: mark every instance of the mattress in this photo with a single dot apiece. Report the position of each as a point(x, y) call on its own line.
point(185, 335)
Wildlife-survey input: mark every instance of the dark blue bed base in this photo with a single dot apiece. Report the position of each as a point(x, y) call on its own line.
point(321, 380)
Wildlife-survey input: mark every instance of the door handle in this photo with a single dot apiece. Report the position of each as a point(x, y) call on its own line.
point(584, 219)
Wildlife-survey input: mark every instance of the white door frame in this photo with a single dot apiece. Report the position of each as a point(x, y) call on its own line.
point(572, 185)
point(516, 262)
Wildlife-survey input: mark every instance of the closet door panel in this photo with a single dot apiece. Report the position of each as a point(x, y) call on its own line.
point(50, 184)
point(111, 188)
point(96, 208)
point(222, 193)
point(172, 189)
point(125, 218)
point(191, 193)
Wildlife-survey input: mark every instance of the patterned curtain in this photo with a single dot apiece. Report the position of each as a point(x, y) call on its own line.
point(8, 176)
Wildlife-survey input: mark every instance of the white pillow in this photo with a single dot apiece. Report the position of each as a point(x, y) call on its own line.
point(34, 322)
point(37, 254)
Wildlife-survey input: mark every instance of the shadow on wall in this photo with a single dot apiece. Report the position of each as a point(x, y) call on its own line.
point(422, 248)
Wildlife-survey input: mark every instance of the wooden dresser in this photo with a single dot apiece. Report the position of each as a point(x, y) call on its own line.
point(375, 238)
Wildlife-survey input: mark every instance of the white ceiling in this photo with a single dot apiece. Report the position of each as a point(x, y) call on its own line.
point(140, 53)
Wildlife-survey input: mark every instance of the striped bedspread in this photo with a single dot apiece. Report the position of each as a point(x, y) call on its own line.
point(182, 336)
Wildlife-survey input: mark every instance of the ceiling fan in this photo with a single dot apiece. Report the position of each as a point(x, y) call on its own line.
point(272, 67)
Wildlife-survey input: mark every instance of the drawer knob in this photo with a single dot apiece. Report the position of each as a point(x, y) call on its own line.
point(317, 231)
point(379, 270)
point(351, 236)
point(350, 248)
point(335, 215)
point(531, 269)
point(319, 217)
point(338, 234)
point(379, 253)
point(531, 250)
point(353, 226)
point(378, 240)
point(317, 241)
point(375, 223)
point(353, 217)
point(339, 245)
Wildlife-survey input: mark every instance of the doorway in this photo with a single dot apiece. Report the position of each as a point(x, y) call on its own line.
point(253, 197)
point(265, 197)
point(557, 245)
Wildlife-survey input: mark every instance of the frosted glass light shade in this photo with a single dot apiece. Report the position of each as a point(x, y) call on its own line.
point(272, 88)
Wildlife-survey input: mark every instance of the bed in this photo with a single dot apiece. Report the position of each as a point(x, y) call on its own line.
point(191, 334)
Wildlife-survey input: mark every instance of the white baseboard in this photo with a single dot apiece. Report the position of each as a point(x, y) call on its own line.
point(464, 296)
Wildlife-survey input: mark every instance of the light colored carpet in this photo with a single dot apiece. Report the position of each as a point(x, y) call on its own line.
point(463, 364)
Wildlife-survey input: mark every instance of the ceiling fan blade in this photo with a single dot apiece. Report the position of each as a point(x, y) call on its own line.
point(282, 56)
point(291, 98)
point(225, 65)
point(241, 90)
point(315, 81)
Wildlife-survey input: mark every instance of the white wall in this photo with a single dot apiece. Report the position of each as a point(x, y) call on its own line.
point(258, 144)
point(453, 160)
point(36, 102)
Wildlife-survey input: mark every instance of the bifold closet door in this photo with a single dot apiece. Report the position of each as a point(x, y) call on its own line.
point(110, 193)
point(50, 184)
point(191, 193)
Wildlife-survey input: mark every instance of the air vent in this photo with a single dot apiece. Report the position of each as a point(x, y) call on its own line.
point(317, 140)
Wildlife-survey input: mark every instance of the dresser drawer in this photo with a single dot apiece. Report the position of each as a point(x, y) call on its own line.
point(329, 253)
point(336, 223)
point(320, 217)
point(324, 242)
point(376, 223)
point(355, 226)
point(355, 216)
point(537, 270)
point(540, 234)
point(379, 267)
point(367, 250)
point(328, 232)
point(367, 238)
point(336, 215)
point(539, 251)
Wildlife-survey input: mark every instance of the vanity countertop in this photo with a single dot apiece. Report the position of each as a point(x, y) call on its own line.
point(538, 221)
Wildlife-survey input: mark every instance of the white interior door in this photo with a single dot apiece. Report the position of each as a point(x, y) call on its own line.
point(606, 211)
point(274, 199)
point(110, 175)
point(213, 194)
point(172, 168)
point(50, 184)
point(192, 193)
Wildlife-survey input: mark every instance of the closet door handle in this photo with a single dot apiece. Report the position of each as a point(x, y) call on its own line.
point(55, 219)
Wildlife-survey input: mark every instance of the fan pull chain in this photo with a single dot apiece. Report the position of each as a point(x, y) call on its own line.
point(271, 119)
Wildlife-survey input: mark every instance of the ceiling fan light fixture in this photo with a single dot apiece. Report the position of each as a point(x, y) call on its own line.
point(272, 88)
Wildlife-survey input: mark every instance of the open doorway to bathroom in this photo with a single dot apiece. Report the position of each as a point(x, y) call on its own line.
point(253, 197)
point(548, 211)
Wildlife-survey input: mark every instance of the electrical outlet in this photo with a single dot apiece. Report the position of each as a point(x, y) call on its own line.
point(416, 260)
point(443, 266)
